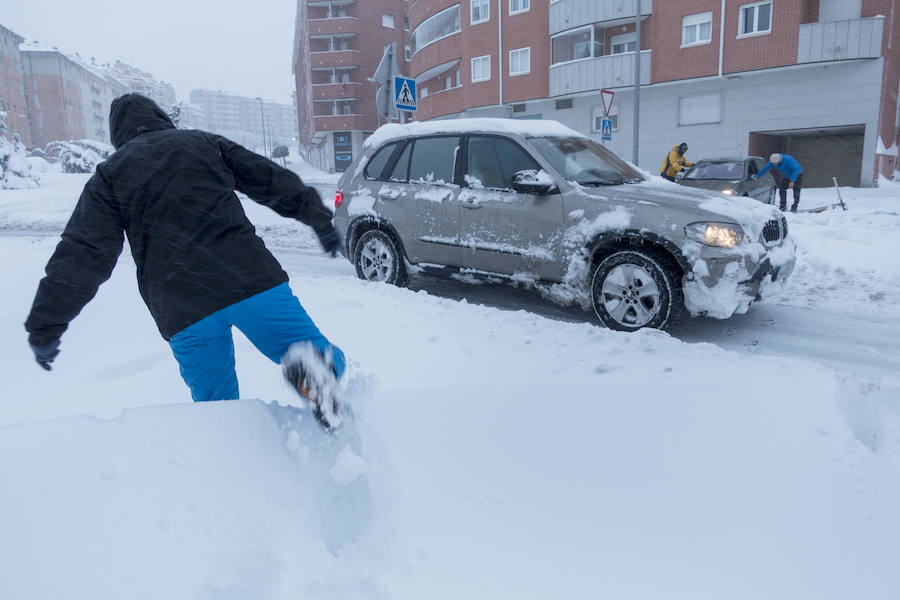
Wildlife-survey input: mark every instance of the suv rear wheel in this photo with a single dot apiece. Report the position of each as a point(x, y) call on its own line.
point(377, 257)
point(631, 289)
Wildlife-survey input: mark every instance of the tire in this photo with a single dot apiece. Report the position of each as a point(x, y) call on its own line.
point(632, 289)
point(377, 257)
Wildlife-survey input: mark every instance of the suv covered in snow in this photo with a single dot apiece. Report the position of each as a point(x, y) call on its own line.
point(539, 202)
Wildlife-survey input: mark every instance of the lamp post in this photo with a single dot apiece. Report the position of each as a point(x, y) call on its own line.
point(262, 122)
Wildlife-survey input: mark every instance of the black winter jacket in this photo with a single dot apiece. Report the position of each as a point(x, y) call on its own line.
point(171, 193)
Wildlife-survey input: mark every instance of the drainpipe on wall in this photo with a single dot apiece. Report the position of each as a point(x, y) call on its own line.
point(721, 36)
point(500, 50)
point(637, 85)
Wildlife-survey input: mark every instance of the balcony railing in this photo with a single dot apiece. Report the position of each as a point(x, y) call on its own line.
point(612, 71)
point(335, 58)
point(333, 26)
point(567, 14)
point(840, 40)
point(336, 91)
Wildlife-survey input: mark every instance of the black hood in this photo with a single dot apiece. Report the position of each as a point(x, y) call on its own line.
point(133, 114)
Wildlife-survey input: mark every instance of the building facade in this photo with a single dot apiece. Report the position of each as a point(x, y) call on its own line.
point(338, 44)
point(251, 122)
point(817, 79)
point(13, 100)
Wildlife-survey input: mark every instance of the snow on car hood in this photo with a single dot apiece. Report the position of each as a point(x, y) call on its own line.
point(750, 214)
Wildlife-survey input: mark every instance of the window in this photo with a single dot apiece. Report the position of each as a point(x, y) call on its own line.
point(434, 159)
point(434, 28)
point(696, 29)
point(627, 42)
point(587, 42)
point(375, 167)
point(519, 6)
point(407, 53)
point(597, 116)
point(705, 108)
point(755, 18)
point(565, 103)
point(493, 161)
point(401, 167)
point(519, 61)
point(481, 68)
point(423, 92)
point(481, 11)
point(387, 20)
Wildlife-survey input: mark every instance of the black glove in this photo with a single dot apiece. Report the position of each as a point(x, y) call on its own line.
point(332, 243)
point(45, 353)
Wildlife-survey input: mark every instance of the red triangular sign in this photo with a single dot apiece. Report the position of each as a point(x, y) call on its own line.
point(607, 96)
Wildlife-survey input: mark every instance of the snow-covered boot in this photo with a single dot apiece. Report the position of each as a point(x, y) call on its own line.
point(312, 374)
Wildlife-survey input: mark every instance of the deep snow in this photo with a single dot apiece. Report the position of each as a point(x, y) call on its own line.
point(494, 453)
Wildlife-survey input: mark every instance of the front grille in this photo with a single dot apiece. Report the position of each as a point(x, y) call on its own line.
point(783, 227)
point(772, 231)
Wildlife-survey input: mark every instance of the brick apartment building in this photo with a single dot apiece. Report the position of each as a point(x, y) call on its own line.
point(247, 121)
point(814, 78)
point(337, 47)
point(13, 100)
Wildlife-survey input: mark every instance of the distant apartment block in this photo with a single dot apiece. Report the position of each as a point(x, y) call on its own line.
point(247, 121)
point(814, 78)
point(13, 100)
point(144, 83)
point(337, 47)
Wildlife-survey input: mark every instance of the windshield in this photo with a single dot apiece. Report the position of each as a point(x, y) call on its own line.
point(717, 170)
point(584, 161)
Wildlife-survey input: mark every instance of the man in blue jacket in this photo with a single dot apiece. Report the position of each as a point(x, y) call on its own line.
point(791, 177)
point(201, 268)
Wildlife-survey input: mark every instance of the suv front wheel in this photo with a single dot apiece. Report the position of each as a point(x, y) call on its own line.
point(377, 257)
point(631, 289)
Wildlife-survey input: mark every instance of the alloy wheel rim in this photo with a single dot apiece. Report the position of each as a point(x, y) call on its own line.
point(377, 260)
point(630, 295)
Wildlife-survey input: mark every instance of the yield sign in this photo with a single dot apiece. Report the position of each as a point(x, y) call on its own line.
point(607, 96)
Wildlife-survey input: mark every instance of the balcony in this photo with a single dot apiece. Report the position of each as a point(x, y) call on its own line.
point(338, 122)
point(336, 91)
point(567, 14)
point(840, 40)
point(612, 71)
point(333, 26)
point(336, 58)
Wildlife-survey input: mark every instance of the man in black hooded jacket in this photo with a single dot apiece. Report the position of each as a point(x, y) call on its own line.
point(201, 268)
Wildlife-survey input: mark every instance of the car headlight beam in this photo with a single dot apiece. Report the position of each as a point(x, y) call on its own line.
point(722, 235)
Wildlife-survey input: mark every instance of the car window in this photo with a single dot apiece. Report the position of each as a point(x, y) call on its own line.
point(717, 170)
point(492, 162)
point(401, 167)
point(584, 161)
point(752, 169)
point(434, 159)
point(375, 167)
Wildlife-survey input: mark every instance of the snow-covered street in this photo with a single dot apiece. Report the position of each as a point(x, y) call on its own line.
point(503, 446)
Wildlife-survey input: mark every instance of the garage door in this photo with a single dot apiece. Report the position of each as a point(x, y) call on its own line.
point(824, 152)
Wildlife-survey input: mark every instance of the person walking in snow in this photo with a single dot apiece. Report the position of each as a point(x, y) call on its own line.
point(201, 268)
point(791, 177)
point(675, 162)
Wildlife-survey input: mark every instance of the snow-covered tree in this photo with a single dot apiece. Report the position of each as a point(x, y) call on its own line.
point(79, 156)
point(15, 170)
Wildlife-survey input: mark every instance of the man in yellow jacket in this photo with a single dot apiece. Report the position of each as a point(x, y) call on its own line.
point(675, 162)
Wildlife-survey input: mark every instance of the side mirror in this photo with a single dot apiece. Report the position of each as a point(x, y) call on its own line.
point(537, 183)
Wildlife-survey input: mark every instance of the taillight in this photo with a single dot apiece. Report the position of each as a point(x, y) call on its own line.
point(338, 198)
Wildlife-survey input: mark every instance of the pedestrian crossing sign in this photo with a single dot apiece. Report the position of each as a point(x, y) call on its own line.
point(405, 93)
point(606, 129)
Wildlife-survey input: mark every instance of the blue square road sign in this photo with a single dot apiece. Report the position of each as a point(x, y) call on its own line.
point(405, 93)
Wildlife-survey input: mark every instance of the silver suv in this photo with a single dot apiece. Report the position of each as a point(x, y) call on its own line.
point(539, 202)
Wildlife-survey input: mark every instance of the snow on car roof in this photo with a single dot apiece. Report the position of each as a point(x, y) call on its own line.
point(524, 127)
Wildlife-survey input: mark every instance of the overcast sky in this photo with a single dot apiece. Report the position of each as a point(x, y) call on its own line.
point(237, 46)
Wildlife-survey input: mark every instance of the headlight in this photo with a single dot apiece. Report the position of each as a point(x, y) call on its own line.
point(728, 192)
point(723, 235)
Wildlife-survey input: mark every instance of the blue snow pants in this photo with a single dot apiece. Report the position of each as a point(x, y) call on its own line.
point(271, 320)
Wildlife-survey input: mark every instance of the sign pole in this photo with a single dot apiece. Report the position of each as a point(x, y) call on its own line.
point(637, 85)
